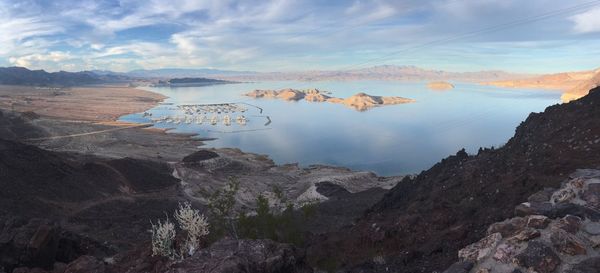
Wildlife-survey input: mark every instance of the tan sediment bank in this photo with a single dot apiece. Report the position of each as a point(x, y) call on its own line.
point(84, 120)
point(101, 103)
point(359, 101)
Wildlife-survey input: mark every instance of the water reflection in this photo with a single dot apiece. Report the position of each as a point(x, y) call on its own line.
point(395, 139)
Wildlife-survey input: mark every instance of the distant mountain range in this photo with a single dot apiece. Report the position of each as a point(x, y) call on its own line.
point(183, 73)
point(24, 76)
point(383, 72)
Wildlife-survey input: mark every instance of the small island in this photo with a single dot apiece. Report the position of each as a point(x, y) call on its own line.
point(440, 86)
point(190, 82)
point(359, 101)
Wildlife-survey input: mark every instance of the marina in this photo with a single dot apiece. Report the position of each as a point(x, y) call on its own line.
point(227, 114)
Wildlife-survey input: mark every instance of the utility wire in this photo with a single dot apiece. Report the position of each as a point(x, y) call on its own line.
point(491, 29)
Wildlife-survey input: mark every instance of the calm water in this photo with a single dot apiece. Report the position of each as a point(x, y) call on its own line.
point(389, 140)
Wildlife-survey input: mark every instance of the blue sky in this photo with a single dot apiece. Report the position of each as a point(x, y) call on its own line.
point(289, 35)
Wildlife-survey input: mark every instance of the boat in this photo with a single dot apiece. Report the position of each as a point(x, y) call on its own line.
point(227, 120)
point(241, 120)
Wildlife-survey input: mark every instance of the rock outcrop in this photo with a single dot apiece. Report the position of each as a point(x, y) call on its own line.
point(564, 237)
point(440, 86)
point(359, 101)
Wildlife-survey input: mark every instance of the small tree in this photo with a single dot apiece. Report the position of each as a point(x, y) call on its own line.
point(194, 224)
point(163, 235)
point(221, 205)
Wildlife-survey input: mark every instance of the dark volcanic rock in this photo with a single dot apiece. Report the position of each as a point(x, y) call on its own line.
point(567, 243)
point(541, 196)
point(39, 243)
point(86, 264)
point(50, 179)
point(260, 256)
point(460, 267)
point(538, 257)
point(590, 265)
point(329, 189)
point(200, 156)
point(508, 227)
point(534, 208)
point(16, 127)
point(537, 221)
point(224, 256)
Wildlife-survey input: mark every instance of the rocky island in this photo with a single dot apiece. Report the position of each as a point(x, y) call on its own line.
point(360, 101)
point(440, 86)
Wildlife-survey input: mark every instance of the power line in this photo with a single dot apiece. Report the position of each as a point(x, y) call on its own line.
point(495, 28)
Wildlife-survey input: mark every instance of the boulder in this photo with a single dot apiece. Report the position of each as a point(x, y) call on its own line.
point(569, 223)
point(508, 227)
point(592, 228)
point(563, 195)
point(526, 234)
point(567, 243)
point(479, 250)
point(592, 196)
point(504, 253)
point(538, 257)
point(542, 196)
point(537, 221)
point(533, 208)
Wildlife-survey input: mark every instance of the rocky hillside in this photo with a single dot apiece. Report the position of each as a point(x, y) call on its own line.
point(421, 223)
point(55, 207)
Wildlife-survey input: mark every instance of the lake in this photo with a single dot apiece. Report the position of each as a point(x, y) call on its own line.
point(388, 140)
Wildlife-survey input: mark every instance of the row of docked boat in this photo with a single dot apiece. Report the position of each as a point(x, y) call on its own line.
point(193, 109)
point(201, 119)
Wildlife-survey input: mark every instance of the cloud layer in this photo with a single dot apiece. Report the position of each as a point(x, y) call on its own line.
point(299, 34)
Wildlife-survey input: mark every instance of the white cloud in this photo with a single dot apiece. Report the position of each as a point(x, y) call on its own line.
point(37, 60)
point(588, 21)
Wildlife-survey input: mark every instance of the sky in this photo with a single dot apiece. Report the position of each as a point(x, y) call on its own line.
point(533, 36)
